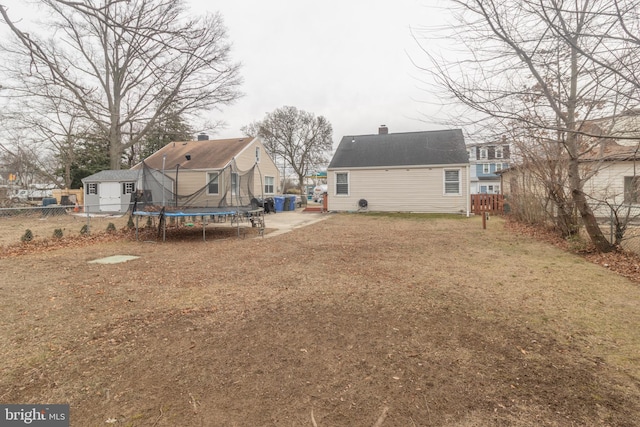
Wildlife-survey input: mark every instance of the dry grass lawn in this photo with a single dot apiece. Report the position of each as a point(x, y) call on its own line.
point(358, 320)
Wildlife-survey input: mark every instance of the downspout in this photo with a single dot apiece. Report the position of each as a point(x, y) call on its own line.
point(468, 191)
point(264, 225)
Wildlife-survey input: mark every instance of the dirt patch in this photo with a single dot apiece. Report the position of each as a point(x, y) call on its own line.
point(350, 321)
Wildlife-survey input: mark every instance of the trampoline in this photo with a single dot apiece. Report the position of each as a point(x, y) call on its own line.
point(255, 216)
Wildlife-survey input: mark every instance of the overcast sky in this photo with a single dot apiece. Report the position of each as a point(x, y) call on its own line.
point(347, 60)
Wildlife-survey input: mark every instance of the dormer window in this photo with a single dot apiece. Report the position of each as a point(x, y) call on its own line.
point(483, 153)
point(499, 152)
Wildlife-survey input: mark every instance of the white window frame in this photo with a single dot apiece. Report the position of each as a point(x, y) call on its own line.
point(128, 187)
point(217, 182)
point(336, 193)
point(498, 167)
point(445, 182)
point(257, 154)
point(499, 152)
point(92, 188)
point(484, 153)
point(235, 183)
point(269, 187)
point(486, 168)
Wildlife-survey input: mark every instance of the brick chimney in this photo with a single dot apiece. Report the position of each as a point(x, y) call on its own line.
point(383, 130)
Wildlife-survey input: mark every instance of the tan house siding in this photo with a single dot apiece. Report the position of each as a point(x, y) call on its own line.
point(415, 189)
point(245, 161)
point(192, 180)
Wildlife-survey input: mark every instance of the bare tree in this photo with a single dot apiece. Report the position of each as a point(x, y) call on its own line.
point(300, 138)
point(121, 65)
point(524, 69)
point(617, 46)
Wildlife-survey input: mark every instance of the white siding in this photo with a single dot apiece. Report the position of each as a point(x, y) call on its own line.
point(400, 190)
point(608, 182)
point(608, 185)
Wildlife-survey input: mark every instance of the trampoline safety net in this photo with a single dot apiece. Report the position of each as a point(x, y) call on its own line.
point(182, 189)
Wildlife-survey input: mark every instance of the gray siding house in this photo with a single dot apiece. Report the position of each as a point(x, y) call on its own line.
point(403, 172)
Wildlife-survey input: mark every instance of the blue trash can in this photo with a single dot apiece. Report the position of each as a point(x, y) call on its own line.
point(279, 203)
point(292, 202)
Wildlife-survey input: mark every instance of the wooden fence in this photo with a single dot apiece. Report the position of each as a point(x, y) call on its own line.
point(481, 203)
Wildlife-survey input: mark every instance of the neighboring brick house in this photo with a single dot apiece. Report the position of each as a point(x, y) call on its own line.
point(485, 160)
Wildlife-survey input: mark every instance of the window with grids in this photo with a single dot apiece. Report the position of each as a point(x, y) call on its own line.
point(484, 153)
point(128, 187)
point(342, 183)
point(499, 152)
point(486, 168)
point(92, 188)
point(269, 184)
point(452, 181)
point(213, 186)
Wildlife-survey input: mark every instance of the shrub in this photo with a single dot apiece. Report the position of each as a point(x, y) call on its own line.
point(130, 223)
point(84, 230)
point(57, 233)
point(111, 228)
point(27, 236)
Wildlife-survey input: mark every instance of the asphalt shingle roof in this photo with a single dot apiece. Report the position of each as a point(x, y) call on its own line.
point(113, 175)
point(442, 147)
point(211, 154)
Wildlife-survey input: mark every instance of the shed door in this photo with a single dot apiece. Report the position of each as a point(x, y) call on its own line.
point(109, 193)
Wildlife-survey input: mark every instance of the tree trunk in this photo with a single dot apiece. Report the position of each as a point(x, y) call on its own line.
point(115, 153)
point(591, 224)
point(575, 180)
